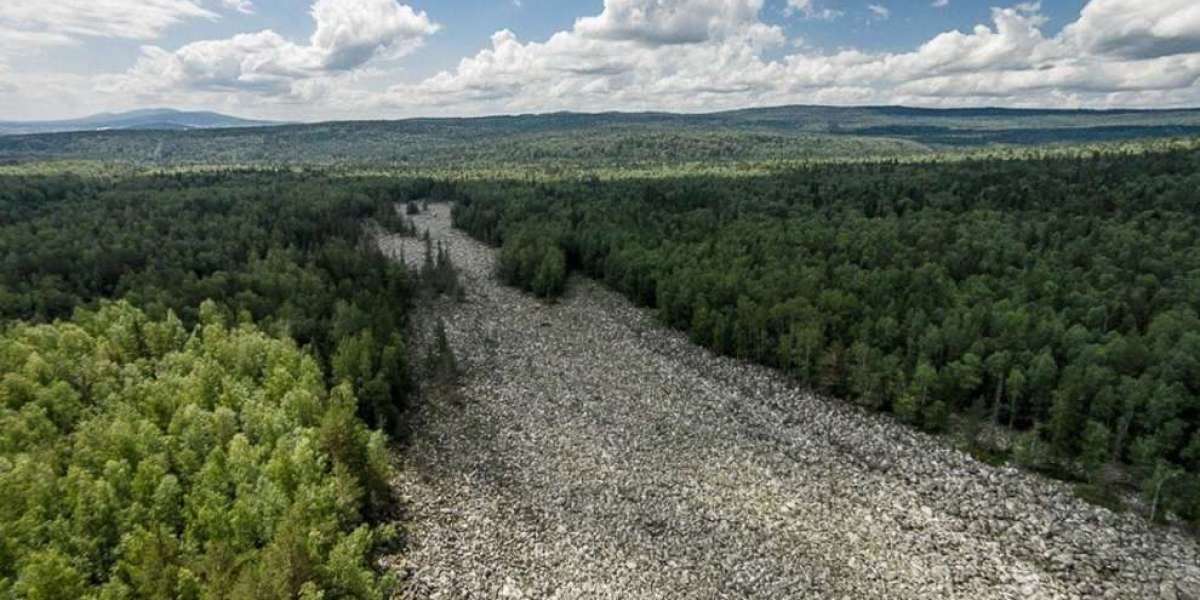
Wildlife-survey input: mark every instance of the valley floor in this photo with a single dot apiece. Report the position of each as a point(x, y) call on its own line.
point(590, 453)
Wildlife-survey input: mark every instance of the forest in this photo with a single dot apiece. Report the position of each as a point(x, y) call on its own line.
point(200, 375)
point(1043, 310)
point(205, 374)
point(559, 141)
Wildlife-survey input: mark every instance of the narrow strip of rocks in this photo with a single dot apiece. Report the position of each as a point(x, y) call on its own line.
point(591, 453)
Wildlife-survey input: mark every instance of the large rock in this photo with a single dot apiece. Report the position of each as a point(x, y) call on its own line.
point(510, 590)
point(1188, 587)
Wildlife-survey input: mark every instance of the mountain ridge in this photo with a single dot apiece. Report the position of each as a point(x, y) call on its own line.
point(164, 119)
point(170, 118)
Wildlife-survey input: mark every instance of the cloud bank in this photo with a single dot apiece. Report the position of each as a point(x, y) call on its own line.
point(349, 34)
point(708, 54)
point(62, 22)
point(687, 55)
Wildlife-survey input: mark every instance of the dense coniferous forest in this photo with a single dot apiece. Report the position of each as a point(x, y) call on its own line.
point(201, 369)
point(193, 445)
point(1054, 298)
point(292, 253)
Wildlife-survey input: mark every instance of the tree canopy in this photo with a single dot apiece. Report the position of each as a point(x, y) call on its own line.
point(141, 459)
point(1058, 296)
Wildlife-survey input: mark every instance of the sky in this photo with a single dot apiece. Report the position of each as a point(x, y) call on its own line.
point(311, 60)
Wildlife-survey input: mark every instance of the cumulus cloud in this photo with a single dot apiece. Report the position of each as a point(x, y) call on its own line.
point(262, 62)
point(658, 22)
point(351, 32)
point(1137, 28)
point(1015, 42)
point(636, 53)
point(687, 55)
point(880, 11)
point(348, 35)
point(694, 55)
point(61, 21)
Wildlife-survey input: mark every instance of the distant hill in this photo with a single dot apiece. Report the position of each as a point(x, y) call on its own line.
point(164, 119)
point(597, 139)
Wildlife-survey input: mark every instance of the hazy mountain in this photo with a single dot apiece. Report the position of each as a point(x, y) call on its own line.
point(147, 119)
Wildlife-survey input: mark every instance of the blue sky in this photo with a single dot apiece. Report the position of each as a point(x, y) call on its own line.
point(317, 59)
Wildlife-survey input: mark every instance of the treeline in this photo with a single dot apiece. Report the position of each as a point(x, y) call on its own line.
point(1055, 297)
point(438, 147)
point(533, 259)
point(173, 450)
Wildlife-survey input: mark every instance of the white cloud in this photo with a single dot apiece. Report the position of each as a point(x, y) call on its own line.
point(879, 11)
point(262, 62)
point(686, 55)
point(940, 3)
point(61, 21)
point(1016, 42)
point(35, 95)
point(245, 7)
point(658, 22)
point(809, 10)
point(624, 59)
point(686, 59)
point(348, 35)
point(20, 41)
point(351, 32)
point(1137, 28)
point(6, 84)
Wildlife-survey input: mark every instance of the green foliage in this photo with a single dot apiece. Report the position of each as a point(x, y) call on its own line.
point(288, 251)
point(1031, 450)
point(1059, 290)
point(48, 575)
point(1100, 495)
point(1157, 488)
point(171, 453)
point(439, 273)
point(140, 460)
point(1095, 449)
point(533, 261)
point(914, 406)
point(441, 364)
point(377, 371)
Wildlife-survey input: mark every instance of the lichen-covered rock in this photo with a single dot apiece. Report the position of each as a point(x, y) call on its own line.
point(1187, 586)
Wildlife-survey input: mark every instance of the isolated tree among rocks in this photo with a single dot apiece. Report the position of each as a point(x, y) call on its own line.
point(441, 364)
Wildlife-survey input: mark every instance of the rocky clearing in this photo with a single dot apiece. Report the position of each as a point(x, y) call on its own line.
point(590, 453)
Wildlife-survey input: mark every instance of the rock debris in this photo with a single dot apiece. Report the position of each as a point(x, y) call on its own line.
point(591, 453)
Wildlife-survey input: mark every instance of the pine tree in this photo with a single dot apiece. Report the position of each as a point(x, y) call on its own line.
point(441, 363)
